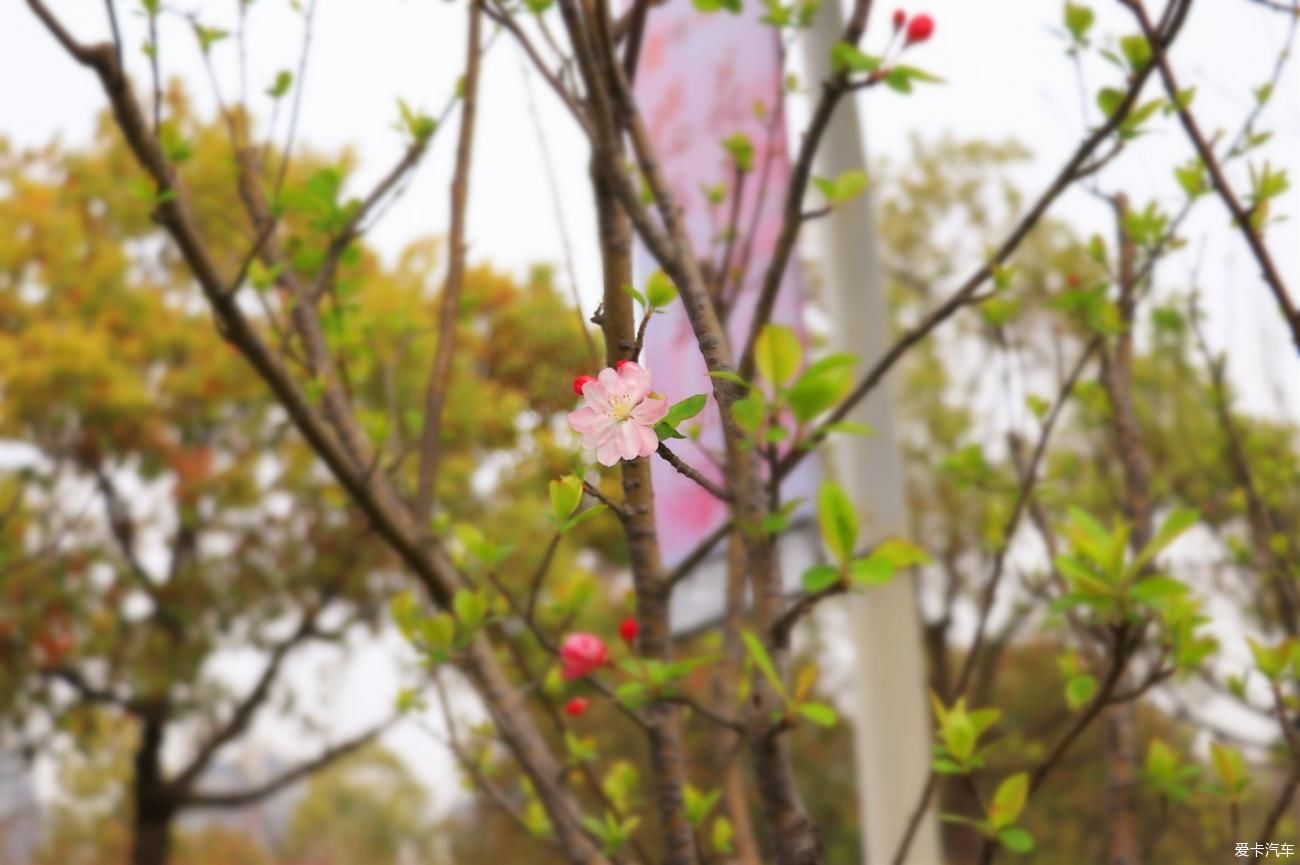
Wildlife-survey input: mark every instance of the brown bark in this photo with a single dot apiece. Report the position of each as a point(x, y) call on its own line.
point(435, 396)
point(667, 754)
point(154, 810)
point(1120, 720)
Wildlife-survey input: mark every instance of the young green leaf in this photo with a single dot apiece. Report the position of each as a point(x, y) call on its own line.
point(659, 290)
point(838, 520)
point(685, 409)
point(1009, 800)
point(819, 713)
point(778, 353)
point(1079, 691)
point(758, 653)
point(566, 495)
point(820, 577)
point(1078, 20)
point(1016, 839)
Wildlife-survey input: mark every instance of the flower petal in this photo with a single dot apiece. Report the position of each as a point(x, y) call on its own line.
point(649, 440)
point(635, 379)
point(650, 411)
point(584, 419)
point(596, 394)
point(628, 437)
point(608, 452)
point(609, 380)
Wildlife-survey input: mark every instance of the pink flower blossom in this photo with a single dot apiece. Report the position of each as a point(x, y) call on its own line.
point(619, 418)
point(582, 654)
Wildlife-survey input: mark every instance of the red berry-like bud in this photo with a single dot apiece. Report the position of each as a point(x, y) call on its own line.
point(618, 365)
point(580, 381)
point(582, 654)
point(628, 629)
point(576, 707)
point(900, 18)
point(921, 28)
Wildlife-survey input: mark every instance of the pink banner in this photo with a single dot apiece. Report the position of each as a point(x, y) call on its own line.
point(702, 79)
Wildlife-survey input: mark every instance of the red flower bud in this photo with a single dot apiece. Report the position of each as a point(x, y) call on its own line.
point(580, 381)
point(900, 18)
point(921, 28)
point(619, 364)
point(576, 707)
point(628, 629)
point(582, 654)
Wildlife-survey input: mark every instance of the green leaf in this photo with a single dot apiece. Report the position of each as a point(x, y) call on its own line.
point(838, 520)
point(898, 81)
point(850, 427)
point(959, 735)
point(1009, 800)
point(566, 495)
point(1078, 20)
point(901, 553)
point(758, 652)
point(1230, 767)
point(577, 520)
point(632, 694)
point(470, 608)
point(748, 413)
point(636, 295)
point(1155, 588)
point(741, 150)
point(778, 353)
point(820, 577)
point(732, 6)
point(1269, 660)
point(699, 804)
point(819, 713)
point(283, 81)
point(722, 835)
point(405, 610)
point(845, 187)
point(685, 409)
point(1191, 177)
point(821, 386)
point(874, 570)
point(728, 375)
point(1079, 691)
point(845, 57)
point(1178, 521)
point(1016, 839)
point(208, 36)
point(912, 73)
point(438, 631)
point(944, 766)
point(1108, 100)
point(659, 290)
point(1136, 50)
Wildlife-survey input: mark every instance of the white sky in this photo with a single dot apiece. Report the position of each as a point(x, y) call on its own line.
point(1007, 77)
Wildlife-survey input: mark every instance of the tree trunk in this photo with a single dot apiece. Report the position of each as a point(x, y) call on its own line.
point(152, 838)
point(154, 809)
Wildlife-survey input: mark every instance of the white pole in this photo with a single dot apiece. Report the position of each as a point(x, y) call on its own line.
point(893, 723)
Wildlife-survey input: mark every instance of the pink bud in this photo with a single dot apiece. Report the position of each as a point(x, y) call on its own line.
point(921, 28)
point(582, 654)
point(900, 18)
